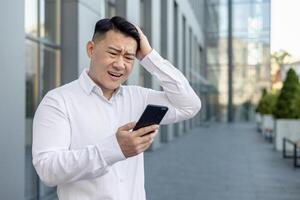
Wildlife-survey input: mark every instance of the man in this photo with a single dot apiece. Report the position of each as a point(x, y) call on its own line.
point(83, 141)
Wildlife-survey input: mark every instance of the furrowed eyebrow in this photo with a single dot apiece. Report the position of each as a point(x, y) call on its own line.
point(130, 54)
point(119, 51)
point(115, 49)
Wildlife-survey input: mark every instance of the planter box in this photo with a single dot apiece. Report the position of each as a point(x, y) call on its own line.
point(289, 128)
point(258, 121)
point(267, 125)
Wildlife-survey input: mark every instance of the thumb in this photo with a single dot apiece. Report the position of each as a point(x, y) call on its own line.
point(127, 126)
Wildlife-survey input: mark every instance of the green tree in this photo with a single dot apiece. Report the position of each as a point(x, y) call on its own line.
point(285, 104)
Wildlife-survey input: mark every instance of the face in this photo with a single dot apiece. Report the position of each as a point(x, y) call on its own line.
point(112, 59)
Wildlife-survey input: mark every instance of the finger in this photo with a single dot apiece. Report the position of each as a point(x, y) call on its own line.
point(142, 131)
point(138, 28)
point(128, 126)
point(145, 146)
point(147, 138)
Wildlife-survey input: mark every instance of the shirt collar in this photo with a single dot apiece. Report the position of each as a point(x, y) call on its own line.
point(88, 85)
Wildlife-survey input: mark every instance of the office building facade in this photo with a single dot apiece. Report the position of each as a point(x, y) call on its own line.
point(238, 54)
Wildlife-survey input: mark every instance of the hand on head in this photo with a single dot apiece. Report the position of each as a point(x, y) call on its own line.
point(145, 47)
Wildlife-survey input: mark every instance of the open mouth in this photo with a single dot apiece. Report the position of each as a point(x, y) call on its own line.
point(114, 74)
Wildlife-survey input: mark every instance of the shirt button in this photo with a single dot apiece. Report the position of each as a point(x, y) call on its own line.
point(121, 180)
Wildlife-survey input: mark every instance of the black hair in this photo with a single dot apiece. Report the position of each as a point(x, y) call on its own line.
point(116, 23)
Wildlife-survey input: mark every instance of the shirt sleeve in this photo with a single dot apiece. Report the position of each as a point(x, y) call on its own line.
point(177, 94)
point(53, 159)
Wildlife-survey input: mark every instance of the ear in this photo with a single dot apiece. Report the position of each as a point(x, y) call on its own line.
point(90, 48)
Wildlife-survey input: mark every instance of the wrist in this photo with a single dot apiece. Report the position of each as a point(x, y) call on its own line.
point(144, 53)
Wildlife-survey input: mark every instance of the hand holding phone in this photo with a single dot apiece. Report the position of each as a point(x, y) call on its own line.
point(133, 143)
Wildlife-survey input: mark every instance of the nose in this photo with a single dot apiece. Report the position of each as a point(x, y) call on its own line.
point(119, 63)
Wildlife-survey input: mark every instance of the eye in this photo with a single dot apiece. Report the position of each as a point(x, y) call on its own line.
point(112, 53)
point(130, 58)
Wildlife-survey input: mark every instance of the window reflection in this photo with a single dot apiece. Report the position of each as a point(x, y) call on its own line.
point(110, 8)
point(42, 27)
point(251, 44)
point(31, 180)
point(51, 69)
point(50, 20)
point(31, 19)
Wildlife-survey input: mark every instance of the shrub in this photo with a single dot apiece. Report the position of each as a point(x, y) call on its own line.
point(296, 105)
point(259, 105)
point(267, 103)
point(285, 106)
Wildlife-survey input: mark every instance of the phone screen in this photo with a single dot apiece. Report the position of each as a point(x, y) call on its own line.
point(153, 114)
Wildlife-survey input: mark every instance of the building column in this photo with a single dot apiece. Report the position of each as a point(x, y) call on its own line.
point(167, 45)
point(133, 15)
point(187, 123)
point(152, 30)
point(230, 114)
point(75, 35)
point(12, 106)
point(179, 126)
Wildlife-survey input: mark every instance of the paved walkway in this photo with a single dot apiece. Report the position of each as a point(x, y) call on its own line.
point(221, 162)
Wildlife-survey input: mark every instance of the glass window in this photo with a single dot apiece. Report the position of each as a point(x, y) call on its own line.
point(31, 19)
point(242, 17)
point(50, 20)
point(42, 27)
point(190, 48)
point(51, 69)
point(184, 47)
point(142, 11)
point(31, 179)
point(266, 17)
point(184, 44)
point(175, 32)
point(110, 8)
point(31, 77)
point(223, 18)
point(164, 29)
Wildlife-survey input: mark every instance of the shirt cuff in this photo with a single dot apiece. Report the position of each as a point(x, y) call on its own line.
point(151, 61)
point(110, 150)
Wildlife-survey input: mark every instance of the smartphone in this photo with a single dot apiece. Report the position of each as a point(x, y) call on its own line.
point(153, 114)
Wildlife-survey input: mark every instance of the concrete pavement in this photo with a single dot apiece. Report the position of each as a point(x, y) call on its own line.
point(223, 161)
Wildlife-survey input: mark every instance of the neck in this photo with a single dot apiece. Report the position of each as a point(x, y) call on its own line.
point(106, 93)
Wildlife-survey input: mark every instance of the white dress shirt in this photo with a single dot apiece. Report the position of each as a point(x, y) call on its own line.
point(74, 133)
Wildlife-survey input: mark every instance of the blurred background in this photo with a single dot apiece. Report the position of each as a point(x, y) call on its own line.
point(229, 50)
